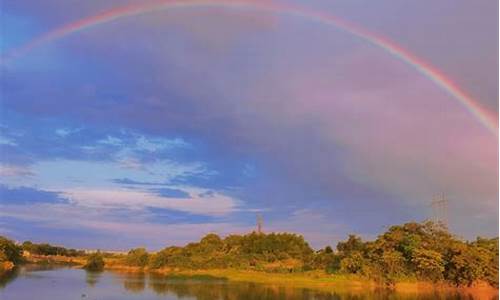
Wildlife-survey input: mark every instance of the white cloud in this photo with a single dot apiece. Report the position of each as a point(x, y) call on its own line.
point(63, 174)
point(7, 141)
point(212, 204)
point(131, 163)
point(15, 171)
point(111, 140)
point(137, 230)
point(64, 132)
point(157, 144)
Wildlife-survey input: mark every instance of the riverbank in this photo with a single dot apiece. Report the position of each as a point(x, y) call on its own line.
point(312, 279)
point(317, 280)
point(53, 282)
point(55, 260)
point(6, 267)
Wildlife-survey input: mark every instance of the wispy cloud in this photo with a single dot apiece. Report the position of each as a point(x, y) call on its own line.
point(15, 171)
point(27, 195)
point(213, 204)
point(136, 230)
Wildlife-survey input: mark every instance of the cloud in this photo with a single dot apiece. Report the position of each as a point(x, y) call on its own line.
point(132, 230)
point(27, 195)
point(64, 132)
point(326, 121)
point(7, 141)
point(51, 138)
point(154, 145)
point(174, 193)
point(128, 181)
point(215, 204)
point(15, 171)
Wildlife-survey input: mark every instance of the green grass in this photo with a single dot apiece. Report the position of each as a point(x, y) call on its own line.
point(313, 279)
point(196, 277)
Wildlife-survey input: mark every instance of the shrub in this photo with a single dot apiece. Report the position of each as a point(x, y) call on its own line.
point(9, 251)
point(95, 262)
point(137, 257)
point(353, 263)
point(429, 264)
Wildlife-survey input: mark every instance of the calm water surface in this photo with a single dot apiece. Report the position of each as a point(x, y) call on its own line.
point(65, 284)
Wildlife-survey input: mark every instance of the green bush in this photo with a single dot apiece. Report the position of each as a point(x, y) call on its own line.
point(9, 251)
point(429, 264)
point(352, 263)
point(426, 251)
point(47, 249)
point(137, 257)
point(95, 262)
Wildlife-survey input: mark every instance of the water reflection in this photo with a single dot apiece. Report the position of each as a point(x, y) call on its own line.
point(92, 277)
point(134, 282)
point(57, 284)
point(209, 289)
point(8, 277)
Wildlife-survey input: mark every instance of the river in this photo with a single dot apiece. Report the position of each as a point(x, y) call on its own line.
point(47, 283)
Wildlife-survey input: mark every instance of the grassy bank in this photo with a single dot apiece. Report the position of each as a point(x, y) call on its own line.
point(56, 260)
point(313, 279)
point(322, 281)
point(409, 258)
point(317, 280)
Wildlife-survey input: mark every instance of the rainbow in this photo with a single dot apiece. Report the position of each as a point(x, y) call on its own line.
point(485, 117)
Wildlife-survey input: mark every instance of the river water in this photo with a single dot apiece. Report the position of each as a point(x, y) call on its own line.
point(38, 283)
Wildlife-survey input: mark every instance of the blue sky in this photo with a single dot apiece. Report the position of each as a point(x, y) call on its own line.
point(156, 129)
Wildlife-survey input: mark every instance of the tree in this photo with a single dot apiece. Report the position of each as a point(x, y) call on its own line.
point(489, 248)
point(327, 260)
point(10, 251)
point(352, 263)
point(95, 262)
point(392, 263)
point(211, 243)
point(28, 246)
point(468, 263)
point(353, 243)
point(429, 264)
point(171, 257)
point(48, 249)
point(137, 257)
point(423, 250)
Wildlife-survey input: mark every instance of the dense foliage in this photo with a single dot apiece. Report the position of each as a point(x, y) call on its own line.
point(9, 251)
point(137, 257)
point(270, 252)
point(414, 250)
point(418, 251)
point(47, 249)
point(95, 262)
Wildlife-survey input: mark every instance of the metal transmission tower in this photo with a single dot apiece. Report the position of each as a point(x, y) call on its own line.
point(439, 206)
point(259, 223)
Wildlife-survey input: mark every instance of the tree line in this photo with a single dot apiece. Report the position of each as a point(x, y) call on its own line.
point(12, 254)
point(420, 251)
point(48, 249)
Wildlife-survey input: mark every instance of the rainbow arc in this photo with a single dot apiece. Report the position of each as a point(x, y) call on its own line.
point(485, 117)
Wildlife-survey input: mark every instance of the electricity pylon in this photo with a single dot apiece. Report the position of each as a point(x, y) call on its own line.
point(439, 206)
point(259, 223)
